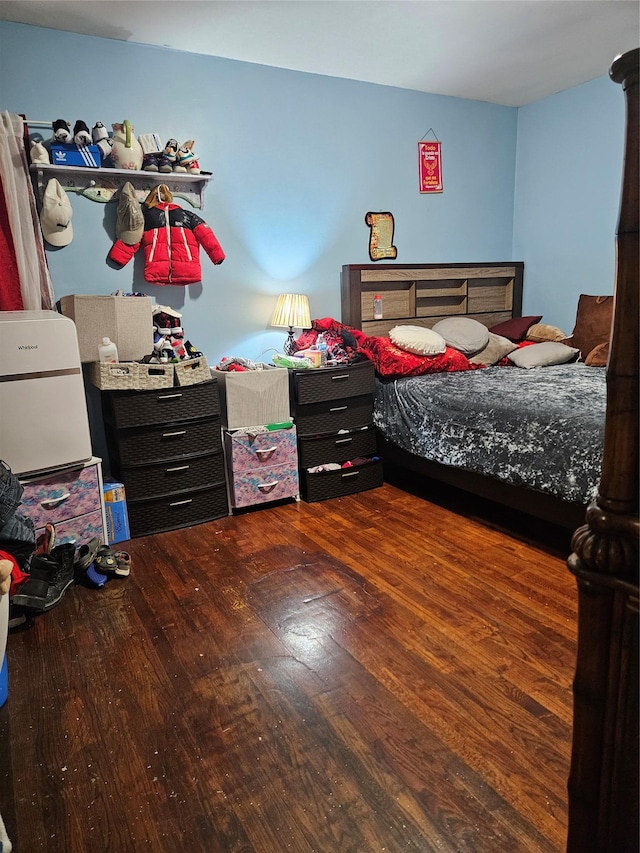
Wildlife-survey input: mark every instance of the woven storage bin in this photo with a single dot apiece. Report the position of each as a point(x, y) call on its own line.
point(192, 371)
point(131, 376)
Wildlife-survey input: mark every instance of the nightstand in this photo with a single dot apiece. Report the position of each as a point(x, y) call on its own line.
point(333, 413)
point(165, 446)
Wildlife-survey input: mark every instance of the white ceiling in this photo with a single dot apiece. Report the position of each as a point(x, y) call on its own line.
point(510, 52)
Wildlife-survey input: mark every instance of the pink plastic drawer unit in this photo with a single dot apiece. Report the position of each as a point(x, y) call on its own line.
point(58, 497)
point(270, 484)
point(263, 466)
point(70, 499)
point(266, 449)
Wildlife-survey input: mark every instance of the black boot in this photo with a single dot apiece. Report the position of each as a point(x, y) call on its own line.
point(50, 576)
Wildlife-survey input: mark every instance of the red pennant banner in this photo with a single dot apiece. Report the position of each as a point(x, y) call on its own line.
point(430, 167)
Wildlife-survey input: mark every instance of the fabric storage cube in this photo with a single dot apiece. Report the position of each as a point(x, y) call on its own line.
point(254, 397)
point(127, 320)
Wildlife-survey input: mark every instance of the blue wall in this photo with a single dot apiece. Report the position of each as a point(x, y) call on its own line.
point(298, 159)
point(568, 178)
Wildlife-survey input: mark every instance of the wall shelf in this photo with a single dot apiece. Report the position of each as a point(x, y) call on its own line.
point(102, 184)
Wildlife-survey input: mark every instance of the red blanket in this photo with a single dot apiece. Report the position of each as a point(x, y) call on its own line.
point(389, 361)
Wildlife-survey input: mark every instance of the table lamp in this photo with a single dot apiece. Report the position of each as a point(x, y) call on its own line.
point(291, 311)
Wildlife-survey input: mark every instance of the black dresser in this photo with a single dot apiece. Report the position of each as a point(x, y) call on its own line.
point(165, 446)
point(333, 412)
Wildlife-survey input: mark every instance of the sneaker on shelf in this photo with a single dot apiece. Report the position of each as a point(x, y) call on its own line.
point(150, 162)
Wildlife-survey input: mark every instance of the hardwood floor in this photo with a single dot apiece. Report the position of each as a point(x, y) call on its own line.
point(373, 673)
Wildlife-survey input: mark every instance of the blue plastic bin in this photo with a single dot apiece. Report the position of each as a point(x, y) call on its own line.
point(4, 682)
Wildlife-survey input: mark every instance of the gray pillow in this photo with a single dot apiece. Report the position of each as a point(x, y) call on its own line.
point(495, 350)
point(543, 355)
point(463, 333)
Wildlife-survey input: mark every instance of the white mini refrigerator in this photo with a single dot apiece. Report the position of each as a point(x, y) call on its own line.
point(43, 410)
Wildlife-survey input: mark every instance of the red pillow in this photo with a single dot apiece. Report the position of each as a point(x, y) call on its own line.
point(515, 329)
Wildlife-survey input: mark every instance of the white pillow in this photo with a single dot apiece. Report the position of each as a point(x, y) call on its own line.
point(418, 340)
point(463, 333)
point(543, 355)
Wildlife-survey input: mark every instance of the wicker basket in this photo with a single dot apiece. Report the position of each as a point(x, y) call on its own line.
point(192, 371)
point(131, 376)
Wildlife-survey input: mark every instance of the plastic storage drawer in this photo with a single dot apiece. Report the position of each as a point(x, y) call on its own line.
point(144, 408)
point(165, 478)
point(317, 450)
point(180, 510)
point(334, 415)
point(169, 441)
point(332, 383)
point(341, 482)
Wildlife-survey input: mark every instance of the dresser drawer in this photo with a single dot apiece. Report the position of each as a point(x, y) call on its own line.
point(266, 484)
point(317, 450)
point(167, 442)
point(333, 415)
point(332, 383)
point(181, 510)
point(246, 451)
point(78, 530)
point(60, 496)
point(164, 405)
point(341, 482)
point(165, 478)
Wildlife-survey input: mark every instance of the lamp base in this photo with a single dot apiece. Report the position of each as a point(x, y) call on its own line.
point(289, 347)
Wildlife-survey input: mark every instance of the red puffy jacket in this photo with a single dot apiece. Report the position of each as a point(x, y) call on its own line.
point(172, 238)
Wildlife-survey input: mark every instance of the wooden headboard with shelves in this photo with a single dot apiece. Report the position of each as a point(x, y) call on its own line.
point(422, 294)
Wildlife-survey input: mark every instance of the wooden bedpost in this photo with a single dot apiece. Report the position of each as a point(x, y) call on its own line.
point(603, 779)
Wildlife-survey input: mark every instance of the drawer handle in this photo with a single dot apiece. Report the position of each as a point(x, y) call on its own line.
point(268, 487)
point(174, 434)
point(178, 468)
point(340, 376)
point(338, 409)
point(266, 450)
point(181, 503)
point(54, 502)
point(350, 474)
point(343, 440)
point(168, 396)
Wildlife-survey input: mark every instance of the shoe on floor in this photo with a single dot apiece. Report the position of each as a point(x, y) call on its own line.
point(85, 555)
point(50, 576)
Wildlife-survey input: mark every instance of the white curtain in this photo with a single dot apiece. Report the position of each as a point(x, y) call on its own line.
point(35, 282)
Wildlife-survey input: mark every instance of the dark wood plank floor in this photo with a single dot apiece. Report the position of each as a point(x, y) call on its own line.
point(374, 673)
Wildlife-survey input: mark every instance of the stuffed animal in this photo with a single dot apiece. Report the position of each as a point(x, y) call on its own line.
point(100, 136)
point(81, 134)
point(61, 131)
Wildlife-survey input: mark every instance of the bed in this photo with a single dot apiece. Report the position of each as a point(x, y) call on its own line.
point(528, 439)
point(603, 787)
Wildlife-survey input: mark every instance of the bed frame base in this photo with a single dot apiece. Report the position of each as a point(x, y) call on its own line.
point(548, 508)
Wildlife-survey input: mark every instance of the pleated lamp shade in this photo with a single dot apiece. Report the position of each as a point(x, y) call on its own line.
point(292, 310)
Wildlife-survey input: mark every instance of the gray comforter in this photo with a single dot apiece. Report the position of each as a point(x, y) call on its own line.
point(541, 428)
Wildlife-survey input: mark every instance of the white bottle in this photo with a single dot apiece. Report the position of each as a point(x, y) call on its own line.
point(108, 352)
point(377, 307)
point(321, 346)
